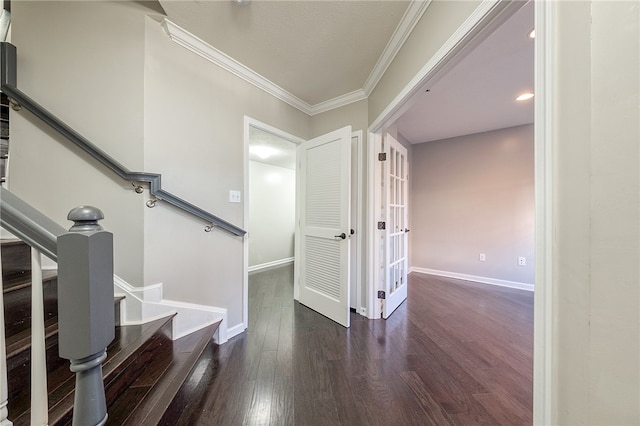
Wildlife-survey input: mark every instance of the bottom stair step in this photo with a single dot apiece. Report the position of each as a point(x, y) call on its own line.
point(133, 352)
point(157, 394)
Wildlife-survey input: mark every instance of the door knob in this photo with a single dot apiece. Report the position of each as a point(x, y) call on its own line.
point(343, 236)
point(406, 230)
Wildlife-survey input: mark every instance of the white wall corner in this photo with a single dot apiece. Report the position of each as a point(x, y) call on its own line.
point(145, 304)
point(474, 278)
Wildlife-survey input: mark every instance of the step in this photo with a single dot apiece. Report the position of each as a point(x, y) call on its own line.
point(17, 307)
point(159, 392)
point(136, 350)
point(19, 365)
point(16, 258)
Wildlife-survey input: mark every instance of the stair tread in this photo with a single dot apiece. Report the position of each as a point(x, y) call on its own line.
point(127, 341)
point(130, 339)
point(186, 352)
point(16, 282)
point(21, 341)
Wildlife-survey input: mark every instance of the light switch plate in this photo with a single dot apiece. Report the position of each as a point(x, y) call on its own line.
point(234, 196)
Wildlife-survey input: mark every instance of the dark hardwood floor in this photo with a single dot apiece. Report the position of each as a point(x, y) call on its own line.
point(455, 353)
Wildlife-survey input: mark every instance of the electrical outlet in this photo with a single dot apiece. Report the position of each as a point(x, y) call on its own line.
point(522, 261)
point(482, 257)
point(234, 196)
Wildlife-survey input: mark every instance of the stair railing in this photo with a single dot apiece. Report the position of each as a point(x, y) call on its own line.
point(8, 86)
point(85, 278)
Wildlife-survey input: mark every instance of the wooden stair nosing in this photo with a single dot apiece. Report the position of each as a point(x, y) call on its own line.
point(22, 341)
point(154, 403)
point(111, 366)
point(18, 282)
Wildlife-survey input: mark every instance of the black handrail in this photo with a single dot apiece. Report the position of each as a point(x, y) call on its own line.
point(8, 86)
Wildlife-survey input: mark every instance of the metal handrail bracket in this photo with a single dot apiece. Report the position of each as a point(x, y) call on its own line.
point(8, 80)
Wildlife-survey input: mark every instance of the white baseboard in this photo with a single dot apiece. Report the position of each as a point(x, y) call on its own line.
point(484, 280)
point(269, 265)
point(235, 330)
point(145, 304)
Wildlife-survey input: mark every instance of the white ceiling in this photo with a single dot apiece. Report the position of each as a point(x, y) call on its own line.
point(283, 152)
point(478, 94)
point(321, 50)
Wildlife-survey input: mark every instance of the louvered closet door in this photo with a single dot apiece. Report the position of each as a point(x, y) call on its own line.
point(324, 166)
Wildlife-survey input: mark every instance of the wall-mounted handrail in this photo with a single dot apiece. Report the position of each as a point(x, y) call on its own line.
point(28, 224)
point(8, 86)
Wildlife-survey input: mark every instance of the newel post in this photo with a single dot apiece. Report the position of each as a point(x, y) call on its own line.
point(85, 309)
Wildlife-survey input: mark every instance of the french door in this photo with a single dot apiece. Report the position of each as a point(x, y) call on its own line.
point(394, 233)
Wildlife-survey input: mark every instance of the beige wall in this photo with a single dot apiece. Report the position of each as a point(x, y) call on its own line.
point(194, 124)
point(596, 195)
point(354, 115)
point(112, 73)
point(470, 195)
point(84, 62)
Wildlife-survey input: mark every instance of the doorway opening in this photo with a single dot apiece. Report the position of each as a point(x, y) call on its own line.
point(270, 201)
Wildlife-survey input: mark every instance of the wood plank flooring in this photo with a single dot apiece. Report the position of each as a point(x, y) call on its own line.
point(455, 353)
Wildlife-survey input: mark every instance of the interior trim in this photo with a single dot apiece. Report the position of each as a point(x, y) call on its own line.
point(189, 41)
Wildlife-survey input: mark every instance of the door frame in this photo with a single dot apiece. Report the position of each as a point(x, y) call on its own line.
point(251, 122)
point(359, 225)
point(485, 19)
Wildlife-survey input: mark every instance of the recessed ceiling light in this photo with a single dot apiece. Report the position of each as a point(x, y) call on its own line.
point(262, 151)
point(532, 33)
point(524, 96)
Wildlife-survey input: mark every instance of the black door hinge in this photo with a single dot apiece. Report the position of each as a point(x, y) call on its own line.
point(382, 294)
point(382, 156)
point(382, 225)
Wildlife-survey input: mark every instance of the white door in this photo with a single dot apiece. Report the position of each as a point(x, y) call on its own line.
point(396, 226)
point(324, 199)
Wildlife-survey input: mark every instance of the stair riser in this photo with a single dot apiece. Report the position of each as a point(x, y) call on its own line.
point(19, 377)
point(16, 259)
point(17, 307)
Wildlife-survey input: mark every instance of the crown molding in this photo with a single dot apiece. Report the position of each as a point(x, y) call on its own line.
point(339, 101)
point(406, 25)
point(203, 49)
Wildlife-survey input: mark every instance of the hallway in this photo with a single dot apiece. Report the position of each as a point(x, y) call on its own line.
point(454, 353)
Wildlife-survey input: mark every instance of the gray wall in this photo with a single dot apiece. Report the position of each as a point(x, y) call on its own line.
point(596, 195)
point(470, 195)
point(272, 213)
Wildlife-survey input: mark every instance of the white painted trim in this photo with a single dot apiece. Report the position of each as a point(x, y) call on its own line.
point(337, 102)
point(484, 19)
point(203, 49)
point(270, 265)
point(144, 304)
point(406, 25)
point(235, 330)
point(474, 278)
point(373, 141)
point(544, 348)
point(359, 225)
